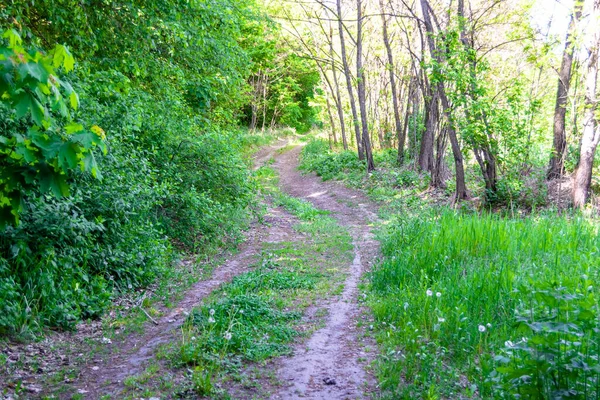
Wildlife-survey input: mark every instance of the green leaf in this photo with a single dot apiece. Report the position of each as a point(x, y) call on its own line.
point(73, 127)
point(33, 70)
point(50, 145)
point(54, 182)
point(63, 58)
point(74, 100)
point(22, 104)
point(13, 37)
point(68, 156)
point(87, 139)
point(89, 164)
point(38, 112)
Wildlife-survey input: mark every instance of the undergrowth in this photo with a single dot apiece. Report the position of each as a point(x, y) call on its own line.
point(392, 183)
point(487, 307)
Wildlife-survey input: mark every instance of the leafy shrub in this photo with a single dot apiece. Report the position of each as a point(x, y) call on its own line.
point(173, 170)
point(555, 350)
point(317, 157)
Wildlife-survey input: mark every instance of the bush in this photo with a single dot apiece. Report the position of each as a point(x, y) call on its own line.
point(317, 157)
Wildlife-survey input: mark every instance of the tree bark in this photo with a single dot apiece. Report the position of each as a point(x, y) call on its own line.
point(390, 67)
point(461, 187)
point(556, 167)
point(591, 128)
point(431, 123)
point(338, 95)
point(362, 101)
point(361, 154)
point(409, 97)
point(331, 122)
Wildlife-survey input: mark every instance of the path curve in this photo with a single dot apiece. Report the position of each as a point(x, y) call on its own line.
point(331, 365)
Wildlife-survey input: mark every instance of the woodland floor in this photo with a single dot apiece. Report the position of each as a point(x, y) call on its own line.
point(331, 362)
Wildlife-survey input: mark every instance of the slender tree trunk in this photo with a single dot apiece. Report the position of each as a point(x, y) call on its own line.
point(331, 121)
point(409, 97)
point(361, 154)
point(431, 123)
point(591, 127)
point(559, 148)
point(390, 67)
point(461, 187)
point(437, 175)
point(362, 101)
point(338, 95)
point(264, 116)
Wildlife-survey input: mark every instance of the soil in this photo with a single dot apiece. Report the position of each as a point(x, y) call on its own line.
point(331, 364)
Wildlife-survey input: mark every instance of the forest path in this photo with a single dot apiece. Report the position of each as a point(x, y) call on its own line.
point(105, 375)
point(331, 364)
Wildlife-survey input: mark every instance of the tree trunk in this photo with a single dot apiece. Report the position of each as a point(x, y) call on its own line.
point(559, 148)
point(390, 67)
point(331, 122)
point(591, 128)
point(409, 97)
point(431, 123)
point(461, 188)
point(338, 95)
point(437, 175)
point(362, 101)
point(361, 154)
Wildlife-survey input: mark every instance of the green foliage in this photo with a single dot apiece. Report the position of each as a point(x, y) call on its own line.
point(446, 294)
point(501, 123)
point(290, 82)
point(317, 157)
point(40, 142)
point(167, 83)
point(556, 350)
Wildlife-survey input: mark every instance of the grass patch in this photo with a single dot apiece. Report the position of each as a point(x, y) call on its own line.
point(481, 306)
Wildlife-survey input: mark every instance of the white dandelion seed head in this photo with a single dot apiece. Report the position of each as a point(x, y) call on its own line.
point(429, 292)
point(488, 325)
point(212, 311)
point(227, 335)
point(481, 328)
point(441, 319)
point(193, 338)
point(241, 311)
point(211, 320)
point(405, 306)
point(438, 294)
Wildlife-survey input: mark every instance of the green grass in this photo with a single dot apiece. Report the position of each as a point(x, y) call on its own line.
point(454, 289)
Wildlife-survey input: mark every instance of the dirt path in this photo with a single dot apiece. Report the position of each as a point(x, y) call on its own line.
point(329, 365)
point(132, 355)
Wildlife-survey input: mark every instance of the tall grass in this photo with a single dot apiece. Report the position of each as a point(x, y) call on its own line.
point(450, 294)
